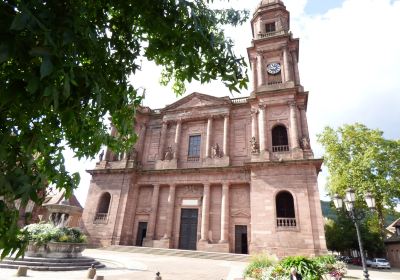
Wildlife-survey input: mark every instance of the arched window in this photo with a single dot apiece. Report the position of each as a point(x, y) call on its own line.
point(285, 213)
point(280, 141)
point(102, 208)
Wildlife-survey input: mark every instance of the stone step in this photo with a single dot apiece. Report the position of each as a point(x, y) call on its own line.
point(51, 264)
point(54, 260)
point(179, 253)
point(50, 268)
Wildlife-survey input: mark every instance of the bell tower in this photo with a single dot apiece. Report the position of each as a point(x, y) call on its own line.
point(274, 52)
point(279, 102)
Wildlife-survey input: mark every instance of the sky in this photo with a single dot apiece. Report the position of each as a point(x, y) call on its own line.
point(349, 62)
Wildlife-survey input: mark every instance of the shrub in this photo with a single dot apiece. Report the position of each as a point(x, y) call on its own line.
point(258, 264)
point(41, 234)
point(308, 268)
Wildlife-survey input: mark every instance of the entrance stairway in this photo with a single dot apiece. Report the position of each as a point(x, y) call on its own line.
point(51, 264)
point(178, 253)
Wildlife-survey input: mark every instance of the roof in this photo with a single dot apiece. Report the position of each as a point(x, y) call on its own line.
point(58, 198)
point(395, 238)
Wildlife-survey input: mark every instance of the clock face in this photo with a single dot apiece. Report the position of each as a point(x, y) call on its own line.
point(274, 68)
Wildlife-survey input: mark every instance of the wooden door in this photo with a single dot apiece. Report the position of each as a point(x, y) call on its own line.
point(241, 239)
point(141, 233)
point(188, 230)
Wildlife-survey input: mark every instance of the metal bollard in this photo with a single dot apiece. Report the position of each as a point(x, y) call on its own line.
point(91, 272)
point(22, 270)
point(98, 277)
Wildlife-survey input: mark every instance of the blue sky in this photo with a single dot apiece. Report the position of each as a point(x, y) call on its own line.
point(315, 7)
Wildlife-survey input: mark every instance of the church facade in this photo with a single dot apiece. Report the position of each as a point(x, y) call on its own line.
point(219, 174)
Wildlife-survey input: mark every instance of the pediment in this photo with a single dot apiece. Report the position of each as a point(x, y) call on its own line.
point(197, 100)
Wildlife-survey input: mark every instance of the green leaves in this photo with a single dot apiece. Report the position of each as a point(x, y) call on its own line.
point(361, 158)
point(65, 66)
point(46, 67)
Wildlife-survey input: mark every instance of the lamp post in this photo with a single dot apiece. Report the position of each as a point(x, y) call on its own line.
point(356, 216)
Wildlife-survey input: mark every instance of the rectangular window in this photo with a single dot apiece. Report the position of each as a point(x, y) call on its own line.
point(270, 27)
point(194, 147)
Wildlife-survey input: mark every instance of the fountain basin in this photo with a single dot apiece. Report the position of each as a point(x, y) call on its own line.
point(55, 250)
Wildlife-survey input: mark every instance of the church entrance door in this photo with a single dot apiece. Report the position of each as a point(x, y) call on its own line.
point(188, 230)
point(141, 233)
point(241, 240)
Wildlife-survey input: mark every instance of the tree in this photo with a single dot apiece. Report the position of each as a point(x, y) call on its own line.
point(65, 65)
point(341, 236)
point(363, 159)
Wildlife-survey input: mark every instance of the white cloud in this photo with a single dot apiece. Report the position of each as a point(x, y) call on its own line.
point(349, 61)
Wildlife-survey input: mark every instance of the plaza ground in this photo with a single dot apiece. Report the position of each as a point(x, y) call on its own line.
point(124, 266)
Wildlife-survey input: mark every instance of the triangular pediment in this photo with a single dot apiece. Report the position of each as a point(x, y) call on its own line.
point(197, 100)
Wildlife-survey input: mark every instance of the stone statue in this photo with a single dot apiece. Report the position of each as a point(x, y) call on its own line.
point(169, 154)
point(305, 143)
point(215, 151)
point(254, 146)
point(101, 156)
point(133, 155)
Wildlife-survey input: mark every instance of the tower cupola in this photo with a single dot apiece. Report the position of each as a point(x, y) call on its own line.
point(274, 52)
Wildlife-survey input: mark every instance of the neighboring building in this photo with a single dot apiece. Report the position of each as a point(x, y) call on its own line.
point(393, 244)
point(219, 174)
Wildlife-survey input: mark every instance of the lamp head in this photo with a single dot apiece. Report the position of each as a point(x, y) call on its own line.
point(350, 195)
point(370, 201)
point(338, 201)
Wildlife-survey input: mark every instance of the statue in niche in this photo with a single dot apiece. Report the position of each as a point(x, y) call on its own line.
point(133, 155)
point(215, 151)
point(254, 146)
point(169, 154)
point(305, 143)
point(101, 156)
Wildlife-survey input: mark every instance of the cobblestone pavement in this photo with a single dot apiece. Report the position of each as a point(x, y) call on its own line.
point(124, 266)
point(131, 266)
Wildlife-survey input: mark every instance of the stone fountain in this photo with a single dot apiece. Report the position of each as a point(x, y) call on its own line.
point(56, 256)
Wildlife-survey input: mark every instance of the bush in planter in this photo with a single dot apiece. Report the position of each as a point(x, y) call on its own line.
point(308, 268)
point(41, 234)
point(258, 264)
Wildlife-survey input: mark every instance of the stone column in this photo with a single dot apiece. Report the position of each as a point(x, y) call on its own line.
point(177, 137)
point(225, 213)
point(294, 132)
point(296, 69)
point(205, 213)
point(208, 140)
point(260, 76)
point(286, 65)
point(170, 211)
point(162, 140)
point(142, 138)
point(130, 220)
point(153, 215)
point(253, 62)
point(261, 127)
point(254, 124)
point(226, 136)
point(304, 124)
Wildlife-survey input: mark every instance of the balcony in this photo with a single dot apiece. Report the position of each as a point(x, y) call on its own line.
point(280, 149)
point(286, 222)
point(240, 100)
point(193, 158)
point(271, 34)
point(100, 218)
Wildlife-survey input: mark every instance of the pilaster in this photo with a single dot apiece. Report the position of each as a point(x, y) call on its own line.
point(148, 242)
point(205, 213)
point(225, 214)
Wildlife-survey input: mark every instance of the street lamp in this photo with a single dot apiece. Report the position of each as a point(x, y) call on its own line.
point(356, 216)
